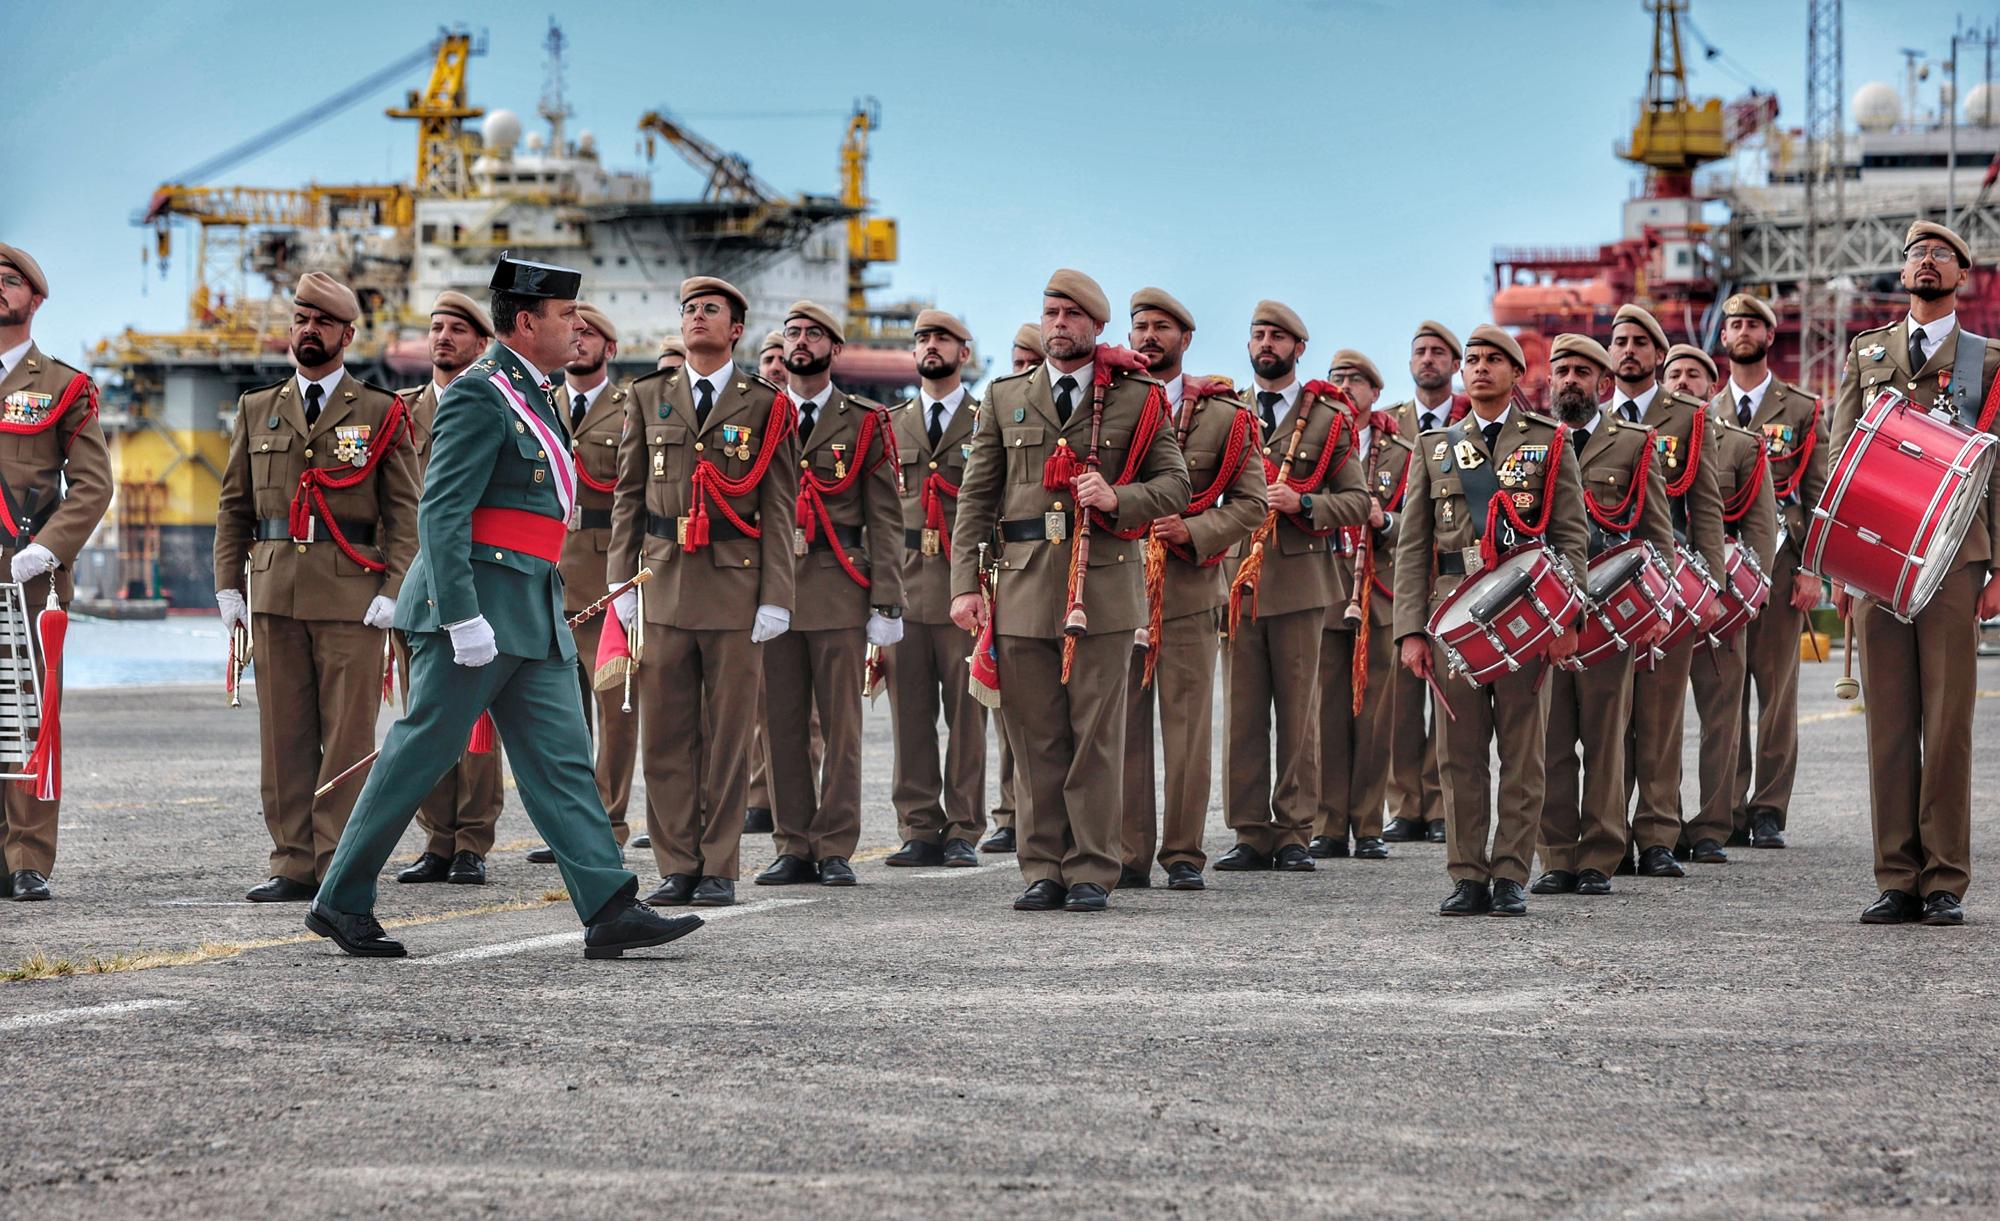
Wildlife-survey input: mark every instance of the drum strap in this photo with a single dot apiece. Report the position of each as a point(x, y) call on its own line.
point(1965, 376)
point(1481, 484)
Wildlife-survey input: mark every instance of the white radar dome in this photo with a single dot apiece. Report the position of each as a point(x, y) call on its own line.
point(1982, 105)
point(1876, 107)
point(501, 130)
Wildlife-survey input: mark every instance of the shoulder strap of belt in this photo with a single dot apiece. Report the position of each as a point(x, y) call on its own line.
point(1481, 483)
point(1966, 371)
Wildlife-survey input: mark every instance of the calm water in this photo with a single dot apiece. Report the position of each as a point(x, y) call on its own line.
point(129, 653)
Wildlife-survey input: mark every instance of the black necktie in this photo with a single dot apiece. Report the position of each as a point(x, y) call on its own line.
point(936, 429)
point(1267, 403)
point(578, 404)
point(1578, 439)
point(1065, 398)
point(1630, 410)
point(1743, 411)
point(1492, 432)
point(313, 393)
point(1916, 348)
point(808, 412)
point(704, 398)
point(1429, 421)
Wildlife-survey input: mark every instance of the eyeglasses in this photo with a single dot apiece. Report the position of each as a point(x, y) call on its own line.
point(12, 281)
point(707, 309)
point(812, 333)
point(1348, 379)
point(1939, 255)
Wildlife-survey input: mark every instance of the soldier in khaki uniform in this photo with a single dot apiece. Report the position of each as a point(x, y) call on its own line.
point(1416, 795)
point(1919, 679)
point(459, 815)
point(707, 478)
point(940, 804)
point(1217, 435)
point(847, 542)
point(1030, 476)
point(1659, 693)
point(1582, 836)
point(1444, 519)
point(1796, 449)
point(1353, 781)
point(1026, 354)
point(56, 476)
point(319, 505)
point(1750, 516)
point(757, 818)
point(1314, 488)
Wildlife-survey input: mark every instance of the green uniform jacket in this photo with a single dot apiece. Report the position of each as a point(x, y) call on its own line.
point(485, 456)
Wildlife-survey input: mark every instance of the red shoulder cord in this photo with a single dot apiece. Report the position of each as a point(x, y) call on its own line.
point(1385, 425)
point(811, 511)
point(606, 487)
point(933, 492)
point(1624, 517)
point(709, 483)
point(1986, 413)
point(1803, 452)
point(1738, 507)
point(79, 386)
point(1235, 456)
point(310, 500)
point(1489, 549)
point(1680, 487)
point(1318, 476)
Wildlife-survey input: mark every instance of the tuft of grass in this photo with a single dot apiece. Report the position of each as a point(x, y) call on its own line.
point(555, 896)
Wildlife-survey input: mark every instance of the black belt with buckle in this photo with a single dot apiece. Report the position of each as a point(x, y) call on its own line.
point(719, 527)
point(359, 533)
point(849, 536)
point(593, 519)
point(1450, 564)
point(1033, 529)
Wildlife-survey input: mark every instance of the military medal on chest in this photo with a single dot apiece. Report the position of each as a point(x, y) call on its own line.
point(799, 547)
point(26, 407)
point(350, 444)
point(1469, 457)
point(839, 460)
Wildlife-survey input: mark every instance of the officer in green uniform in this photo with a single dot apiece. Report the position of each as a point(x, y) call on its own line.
point(482, 608)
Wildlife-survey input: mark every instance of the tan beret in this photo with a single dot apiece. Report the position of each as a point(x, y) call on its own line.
point(1639, 314)
point(327, 295)
point(1687, 351)
point(776, 339)
point(1743, 305)
point(1029, 337)
point(1072, 285)
point(459, 305)
point(1931, 229)
point(23, 262)
point(673, 345)
point(819, 316)
point(1572, 344)
point(1493, 337)
point(1350, 358)
point(596, 320)
point(1438, 330)
point(938, 320)
point(1277, 313)
point(695, 286)
point(1162, 300)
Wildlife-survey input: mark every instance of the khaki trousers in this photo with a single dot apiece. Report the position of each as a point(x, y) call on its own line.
point(1003, 814)
point(1069, 746)
point(1184, 690)
point(1273, 666)
point(1514, 713)
point(1415, 790)
point(697, 695)
point(1353, 778)
point(616, 732)
point(319, 686)
point(27, 823)
point(936, 801)
point(816, 811)
point(1659, 698)
point(1583, 824)
point(1764, 775)
point(1717, 678)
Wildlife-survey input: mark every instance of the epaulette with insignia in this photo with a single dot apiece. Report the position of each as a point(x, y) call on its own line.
point(759, 378)
point(1539, 418)
point(1687, 400)
point(272, 387)
point(1008, 377)
point(657, 373)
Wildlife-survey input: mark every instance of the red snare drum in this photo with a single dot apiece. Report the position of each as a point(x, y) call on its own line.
point(1897, 504)
point(1745, 589)
point(1505, 617)
point(1693, 595)
point(1630, 591)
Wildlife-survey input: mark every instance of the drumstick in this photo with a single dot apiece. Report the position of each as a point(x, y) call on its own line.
point(1845, 687)
point(1437, 693)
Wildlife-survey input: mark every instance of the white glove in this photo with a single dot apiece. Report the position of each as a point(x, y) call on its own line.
point(772, 622)
point(472, 642)
point(32, 561)
point(230, 603)
point(380, 613)
point(883, 630)
point(627, 605)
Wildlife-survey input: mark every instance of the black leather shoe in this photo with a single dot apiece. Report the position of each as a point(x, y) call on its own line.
point(788, 870)
point(916, 853)
point(1660, 863)
point(277, 890)
point(835, 871)
point(1508, 899)
point(1708, 852)
point(1682, 852)
point(626, 925)
point(467, 869)
point(1892, 907)
point(1555, 882)
point(714, 892)
point(674, 891)
point(1468, 898)
point(1086, 897)
point(357, 933)
point(1591, 882)
point(1002, 840)
point(1242, 859)
point(1764, 829)
point(1184, 876)
point(1371, 848)
point(1434, 830)
point(1293, 859)
point(1739, 837)
point(1043, 896)
point(960, 854)
point(1402, 831)
point(1628, 866)
point(543, 855)
point(430, 867)
point(1326, 847)
point(6, 885)
point(641, 840)
point(1942, 907)
point(757, 821)
point(29, 886)
point(1134, 879)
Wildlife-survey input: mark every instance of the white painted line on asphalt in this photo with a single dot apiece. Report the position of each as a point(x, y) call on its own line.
point(574, 937)
point(56, 1017)
point(201, 903)
point(958, 872)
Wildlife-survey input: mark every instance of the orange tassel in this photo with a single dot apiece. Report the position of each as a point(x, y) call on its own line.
point(1069, 599)
point(1156, 605)
point(1246, 578)
point(1358, 678)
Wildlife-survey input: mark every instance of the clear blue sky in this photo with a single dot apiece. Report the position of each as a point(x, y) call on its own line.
point(1357, 159)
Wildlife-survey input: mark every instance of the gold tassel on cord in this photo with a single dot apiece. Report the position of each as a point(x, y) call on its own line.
point(1156, 605)
point(1359, 677)
point(1076, 556)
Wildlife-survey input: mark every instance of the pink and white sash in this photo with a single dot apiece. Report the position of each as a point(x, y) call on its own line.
point(556, 447)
